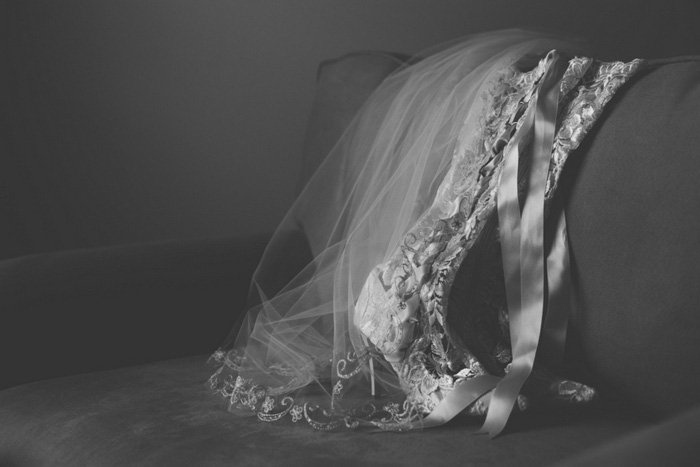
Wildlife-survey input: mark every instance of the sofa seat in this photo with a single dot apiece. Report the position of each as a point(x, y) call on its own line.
point(163, 413)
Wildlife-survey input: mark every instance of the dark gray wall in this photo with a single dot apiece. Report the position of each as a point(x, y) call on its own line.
point(128, 121)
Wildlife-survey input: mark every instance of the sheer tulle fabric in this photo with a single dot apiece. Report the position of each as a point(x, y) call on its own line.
point(376, 183)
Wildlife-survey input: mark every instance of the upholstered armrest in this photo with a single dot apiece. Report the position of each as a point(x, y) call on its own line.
point(632, 215)
point(84, 310)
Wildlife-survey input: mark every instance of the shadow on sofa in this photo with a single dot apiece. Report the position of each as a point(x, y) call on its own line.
point(104, 352)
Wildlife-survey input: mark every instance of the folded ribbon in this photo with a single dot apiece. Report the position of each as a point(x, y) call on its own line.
point(525, 272)
point(523, 257)
point(522, 243)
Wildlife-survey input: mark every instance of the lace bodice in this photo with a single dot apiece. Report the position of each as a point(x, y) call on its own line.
point(403, 308)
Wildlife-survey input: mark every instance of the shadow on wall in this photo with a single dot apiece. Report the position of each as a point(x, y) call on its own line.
point(138, 121)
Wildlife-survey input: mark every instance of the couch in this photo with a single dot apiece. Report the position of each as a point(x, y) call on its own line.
point(104, 349)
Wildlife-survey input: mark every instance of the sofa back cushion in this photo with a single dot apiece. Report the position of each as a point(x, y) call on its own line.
point(342, 86)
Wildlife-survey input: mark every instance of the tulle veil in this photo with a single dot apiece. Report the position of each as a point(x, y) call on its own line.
point(374, 185)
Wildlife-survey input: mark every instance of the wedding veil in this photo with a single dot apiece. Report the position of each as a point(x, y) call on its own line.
point(378, 180)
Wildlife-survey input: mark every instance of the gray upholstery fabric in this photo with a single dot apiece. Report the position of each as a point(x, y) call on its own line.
point(673, 442)
point(633, 214)
point(163, 414)
point(76, 311)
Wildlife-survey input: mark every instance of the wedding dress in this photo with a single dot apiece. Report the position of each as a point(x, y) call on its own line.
point(440, 264)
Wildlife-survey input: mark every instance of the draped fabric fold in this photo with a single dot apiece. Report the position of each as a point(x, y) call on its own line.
point(553, 340)
point(364, 334)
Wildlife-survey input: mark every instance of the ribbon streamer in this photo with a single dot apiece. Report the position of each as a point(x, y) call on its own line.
point(525, 272)
point(522, 243)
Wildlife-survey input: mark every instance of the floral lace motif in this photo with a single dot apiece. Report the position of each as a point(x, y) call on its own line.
point(270, 405)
